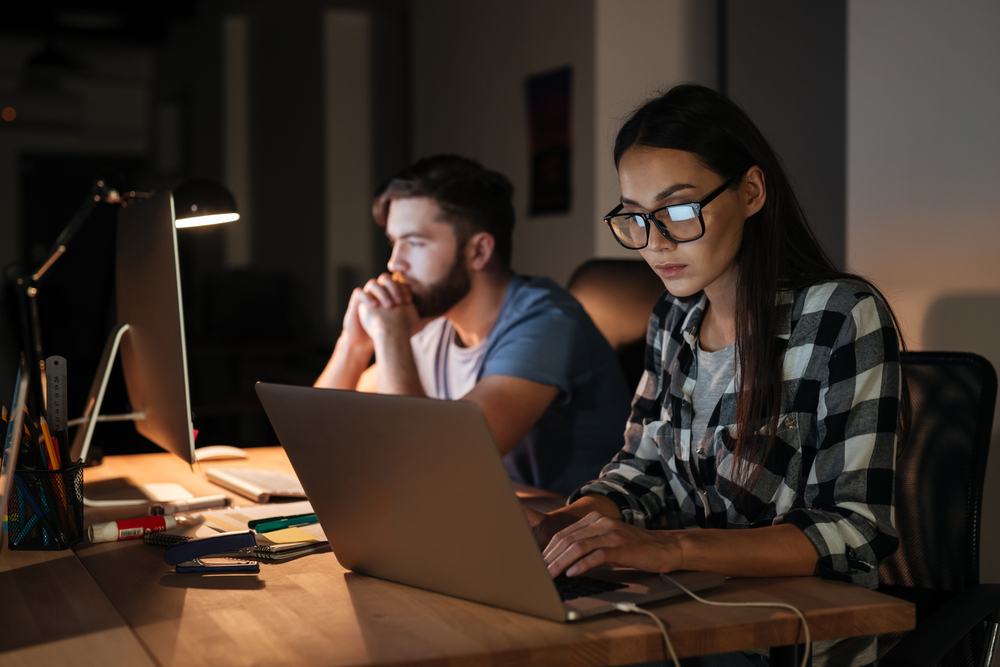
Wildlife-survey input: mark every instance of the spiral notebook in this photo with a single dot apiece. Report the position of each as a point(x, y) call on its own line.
point(265, 552)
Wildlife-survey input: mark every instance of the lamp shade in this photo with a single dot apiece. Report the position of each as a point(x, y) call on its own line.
point(202, 201)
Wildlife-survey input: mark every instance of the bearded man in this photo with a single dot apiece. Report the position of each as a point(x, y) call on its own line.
point(451, 320)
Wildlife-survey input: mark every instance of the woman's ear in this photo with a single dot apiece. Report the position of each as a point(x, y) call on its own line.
point(753, 191)
point(479, 250)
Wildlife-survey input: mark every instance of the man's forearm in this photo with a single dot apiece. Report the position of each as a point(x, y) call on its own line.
point(397, 369)
point(345, 366)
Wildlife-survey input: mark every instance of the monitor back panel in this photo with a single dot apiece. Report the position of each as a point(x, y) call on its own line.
point(154, 356)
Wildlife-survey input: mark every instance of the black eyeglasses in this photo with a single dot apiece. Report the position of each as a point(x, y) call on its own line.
point(681, 223)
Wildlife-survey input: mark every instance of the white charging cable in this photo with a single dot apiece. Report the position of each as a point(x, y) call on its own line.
point(632, 608)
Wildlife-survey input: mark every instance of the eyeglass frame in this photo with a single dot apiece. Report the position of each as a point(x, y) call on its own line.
point(652, 221)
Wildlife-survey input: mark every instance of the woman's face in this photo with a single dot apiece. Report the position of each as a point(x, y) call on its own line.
point(651, 178)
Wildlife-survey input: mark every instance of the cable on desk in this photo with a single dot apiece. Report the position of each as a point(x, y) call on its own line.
point(781, 605)
point(633, 609)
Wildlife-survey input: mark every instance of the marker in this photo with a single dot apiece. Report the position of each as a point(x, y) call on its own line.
point(257, 522)
point(130, 529)
point(279, 524)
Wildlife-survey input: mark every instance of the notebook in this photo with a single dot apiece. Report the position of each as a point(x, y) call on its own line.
point(413, 490)
point(265, 552)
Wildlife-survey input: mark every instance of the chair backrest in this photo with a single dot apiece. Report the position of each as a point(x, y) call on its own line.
point(940, 472)
point(619, 295)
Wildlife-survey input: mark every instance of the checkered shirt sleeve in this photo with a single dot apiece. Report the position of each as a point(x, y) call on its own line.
point(832, 470)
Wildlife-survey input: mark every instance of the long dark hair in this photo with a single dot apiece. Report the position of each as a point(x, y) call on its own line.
point(778, 251)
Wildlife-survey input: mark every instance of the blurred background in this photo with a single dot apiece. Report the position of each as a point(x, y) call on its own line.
point(883, 110)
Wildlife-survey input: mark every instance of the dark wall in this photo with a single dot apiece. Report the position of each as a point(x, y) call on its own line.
point(266, 321)
point(286, 149)
point(786, 64)
point(286, 130)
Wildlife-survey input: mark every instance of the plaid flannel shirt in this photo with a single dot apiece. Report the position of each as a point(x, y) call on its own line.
point(832, 470)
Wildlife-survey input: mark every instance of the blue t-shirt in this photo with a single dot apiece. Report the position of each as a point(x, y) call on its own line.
point(541, 334)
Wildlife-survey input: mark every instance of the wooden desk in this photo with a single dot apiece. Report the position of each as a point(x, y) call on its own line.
point(52, 612)
point(310, 611)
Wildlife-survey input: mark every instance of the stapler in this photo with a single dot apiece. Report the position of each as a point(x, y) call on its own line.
point(194, 555)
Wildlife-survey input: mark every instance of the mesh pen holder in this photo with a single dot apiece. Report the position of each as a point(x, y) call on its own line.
point(45, 509)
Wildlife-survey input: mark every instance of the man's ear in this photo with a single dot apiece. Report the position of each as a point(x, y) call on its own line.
point(479, 250)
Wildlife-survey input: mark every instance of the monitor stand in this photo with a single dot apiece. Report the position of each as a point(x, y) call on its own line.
point(91, 415)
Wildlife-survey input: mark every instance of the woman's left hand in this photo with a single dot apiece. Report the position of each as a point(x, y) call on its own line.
point(600, 540)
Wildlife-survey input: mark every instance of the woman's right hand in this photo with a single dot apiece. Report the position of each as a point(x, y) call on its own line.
point(545, 526)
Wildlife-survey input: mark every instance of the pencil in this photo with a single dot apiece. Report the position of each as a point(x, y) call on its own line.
point(55, 461)
point(5, 413)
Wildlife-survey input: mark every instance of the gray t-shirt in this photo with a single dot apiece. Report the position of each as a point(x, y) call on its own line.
point(715, 374)
point(541, 334)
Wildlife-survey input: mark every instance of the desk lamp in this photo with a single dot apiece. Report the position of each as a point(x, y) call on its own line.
point(202, 201)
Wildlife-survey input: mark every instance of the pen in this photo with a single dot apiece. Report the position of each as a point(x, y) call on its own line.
point(41, 457)
point(31, 428)
point(189, 505)
point(291, 522)
point(62, 444)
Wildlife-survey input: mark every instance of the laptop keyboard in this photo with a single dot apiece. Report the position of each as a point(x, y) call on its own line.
point(276, 483)
point(571, 588)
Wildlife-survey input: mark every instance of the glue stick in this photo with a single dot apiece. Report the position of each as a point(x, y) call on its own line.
point(130, 529)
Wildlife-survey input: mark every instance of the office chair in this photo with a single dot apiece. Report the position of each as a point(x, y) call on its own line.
point(619, 295)
point(940, 473)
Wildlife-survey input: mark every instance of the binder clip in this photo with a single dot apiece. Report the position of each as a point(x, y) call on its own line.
point(194, 556)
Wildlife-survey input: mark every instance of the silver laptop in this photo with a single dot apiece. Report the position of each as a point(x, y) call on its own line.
point(413, 490)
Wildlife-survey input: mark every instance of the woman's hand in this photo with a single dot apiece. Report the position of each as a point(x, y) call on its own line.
point(600, 540)
point(545, 526)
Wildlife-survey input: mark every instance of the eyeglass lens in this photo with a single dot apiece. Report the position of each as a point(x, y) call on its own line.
point(681, 222)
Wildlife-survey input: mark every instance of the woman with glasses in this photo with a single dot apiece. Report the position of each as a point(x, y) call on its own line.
point(769, 411)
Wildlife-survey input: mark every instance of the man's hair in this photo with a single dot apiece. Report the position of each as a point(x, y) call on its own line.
point(472, 198)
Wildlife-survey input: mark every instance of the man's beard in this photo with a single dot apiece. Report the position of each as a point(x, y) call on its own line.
point(437, 299)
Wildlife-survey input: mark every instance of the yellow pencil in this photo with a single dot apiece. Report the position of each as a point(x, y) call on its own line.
point(5, 413)
point(50, 447)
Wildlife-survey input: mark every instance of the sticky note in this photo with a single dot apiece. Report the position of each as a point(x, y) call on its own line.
point(286, 535)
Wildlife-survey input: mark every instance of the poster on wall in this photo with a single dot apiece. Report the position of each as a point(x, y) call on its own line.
point(550, 141)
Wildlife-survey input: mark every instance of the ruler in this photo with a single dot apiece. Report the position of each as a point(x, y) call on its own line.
point(55, 389)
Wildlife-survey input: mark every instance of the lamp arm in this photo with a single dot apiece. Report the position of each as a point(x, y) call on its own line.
point(27, 285)
point(99, 192)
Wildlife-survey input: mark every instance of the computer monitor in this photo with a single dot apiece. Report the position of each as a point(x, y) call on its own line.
point(150, 332)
